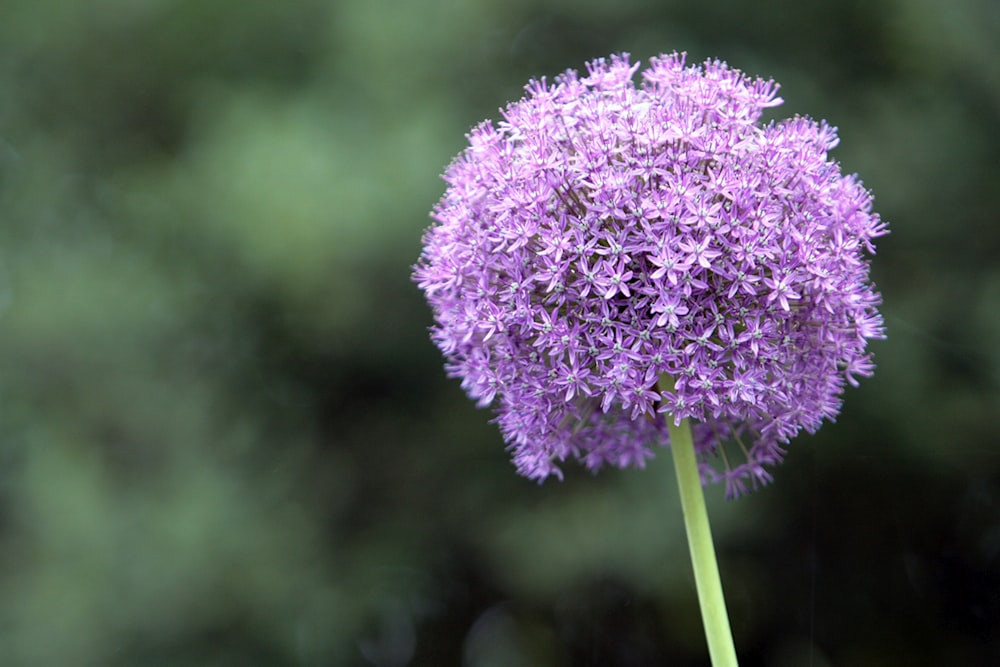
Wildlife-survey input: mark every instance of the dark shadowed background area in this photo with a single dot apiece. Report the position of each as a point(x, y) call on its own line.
point(226, 439)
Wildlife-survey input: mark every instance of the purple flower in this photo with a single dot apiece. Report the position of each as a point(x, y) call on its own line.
point(604, 235)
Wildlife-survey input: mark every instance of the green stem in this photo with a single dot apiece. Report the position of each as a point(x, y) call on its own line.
point(706, 570)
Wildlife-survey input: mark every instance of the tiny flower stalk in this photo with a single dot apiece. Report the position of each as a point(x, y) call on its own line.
point(708, 583)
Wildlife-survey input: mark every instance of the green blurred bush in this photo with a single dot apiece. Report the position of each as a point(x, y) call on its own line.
point(225, 438)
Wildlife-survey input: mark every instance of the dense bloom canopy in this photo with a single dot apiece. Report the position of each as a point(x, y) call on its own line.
point(610, 256)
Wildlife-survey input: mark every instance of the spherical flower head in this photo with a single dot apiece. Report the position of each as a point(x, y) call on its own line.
point(611, 256)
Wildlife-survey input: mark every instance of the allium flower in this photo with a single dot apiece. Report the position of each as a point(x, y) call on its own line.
point(605, 235)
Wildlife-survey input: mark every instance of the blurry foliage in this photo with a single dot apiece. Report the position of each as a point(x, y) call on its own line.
point(225, 438)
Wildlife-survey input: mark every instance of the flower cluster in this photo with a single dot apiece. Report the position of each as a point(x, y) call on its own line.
point(610, 256)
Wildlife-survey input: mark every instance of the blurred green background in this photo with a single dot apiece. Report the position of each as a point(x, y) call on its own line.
point(226, 439)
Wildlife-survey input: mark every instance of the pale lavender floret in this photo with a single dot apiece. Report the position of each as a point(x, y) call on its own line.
point(602, 235)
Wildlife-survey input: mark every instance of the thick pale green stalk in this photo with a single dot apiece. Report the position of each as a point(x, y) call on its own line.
point(699, 533)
